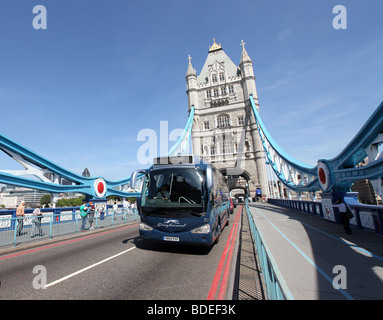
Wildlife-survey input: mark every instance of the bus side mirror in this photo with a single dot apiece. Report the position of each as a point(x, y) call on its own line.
point(134, 176)
point(209, 178)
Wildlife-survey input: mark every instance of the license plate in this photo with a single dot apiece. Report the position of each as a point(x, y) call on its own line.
point(166, 238)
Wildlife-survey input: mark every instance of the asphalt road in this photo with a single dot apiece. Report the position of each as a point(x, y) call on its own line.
point(113, 264)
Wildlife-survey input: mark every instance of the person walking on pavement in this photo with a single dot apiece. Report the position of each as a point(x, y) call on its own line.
point(37, 216)
point(115, 208)
point(91, 215)
point(344, 215)
point(20, 217)
point(125, 208)
point(83, 214)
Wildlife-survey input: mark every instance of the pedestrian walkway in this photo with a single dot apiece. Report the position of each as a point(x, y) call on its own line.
point(317, 259)
point(250, 285)
point(54, 225)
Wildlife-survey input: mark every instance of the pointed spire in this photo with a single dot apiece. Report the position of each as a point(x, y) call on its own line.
point(191, 70)
point(244, 57)
point(215, 46)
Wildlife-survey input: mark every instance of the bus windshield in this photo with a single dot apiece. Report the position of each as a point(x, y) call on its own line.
point(174, 192)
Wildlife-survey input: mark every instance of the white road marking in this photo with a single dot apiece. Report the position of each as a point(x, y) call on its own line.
point(85, 269)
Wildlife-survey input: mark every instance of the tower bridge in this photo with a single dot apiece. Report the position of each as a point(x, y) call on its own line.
point(225, 128)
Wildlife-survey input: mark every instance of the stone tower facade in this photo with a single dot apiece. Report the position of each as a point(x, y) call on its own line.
point(224, 131)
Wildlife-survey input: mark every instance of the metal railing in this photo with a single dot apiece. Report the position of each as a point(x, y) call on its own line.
point(54, 222)
point(369, 217)
point(307, 206)
point(276, 286)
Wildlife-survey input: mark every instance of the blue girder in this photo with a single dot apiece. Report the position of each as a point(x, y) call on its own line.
point(80, 184)
point(180, 145)
point(337, 174)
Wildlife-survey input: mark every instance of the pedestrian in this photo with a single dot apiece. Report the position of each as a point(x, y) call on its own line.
point(36, 222)
point(115, 208)
point(91, 212)
point(83, 214)
point(20, 217)
point(125, 207)
point(129, 207)
point(344, 214)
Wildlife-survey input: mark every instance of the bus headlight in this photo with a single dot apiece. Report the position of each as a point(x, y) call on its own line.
point(145, 227)
point(203, 229)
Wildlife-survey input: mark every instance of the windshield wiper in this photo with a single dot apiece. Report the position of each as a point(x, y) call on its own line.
point(196, 214)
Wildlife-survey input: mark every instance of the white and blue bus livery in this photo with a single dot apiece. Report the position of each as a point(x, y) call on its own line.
point(182, 201)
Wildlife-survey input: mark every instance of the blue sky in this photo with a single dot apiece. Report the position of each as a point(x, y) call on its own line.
point(79, 92)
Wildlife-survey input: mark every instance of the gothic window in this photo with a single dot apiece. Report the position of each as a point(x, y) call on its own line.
point(212, 150)
point(208, 94)
point(227, 145)
point(214, 78)
point(215, 92)
point(221, 77)
point(206, 125)
point(241, 121)
point(231, 89)
point(223, 121)
point(223, 91)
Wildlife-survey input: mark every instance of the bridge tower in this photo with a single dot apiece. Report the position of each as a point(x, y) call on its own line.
point(224, 130)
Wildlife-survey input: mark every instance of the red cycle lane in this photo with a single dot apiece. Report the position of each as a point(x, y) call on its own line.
point(221, 279)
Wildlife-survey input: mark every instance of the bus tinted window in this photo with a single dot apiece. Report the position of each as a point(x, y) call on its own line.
point(180, 189)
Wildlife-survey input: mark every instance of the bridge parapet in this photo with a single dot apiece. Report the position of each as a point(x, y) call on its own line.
point(56, 222)
point(369, 217)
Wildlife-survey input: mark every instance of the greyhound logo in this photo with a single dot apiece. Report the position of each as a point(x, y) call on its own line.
point(173, 221)
point(171, 224)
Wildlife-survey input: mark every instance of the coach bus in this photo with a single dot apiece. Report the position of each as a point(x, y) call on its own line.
point(183, 200)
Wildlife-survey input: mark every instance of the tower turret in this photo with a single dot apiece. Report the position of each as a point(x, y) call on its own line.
point(191, 85)
point(248, 78)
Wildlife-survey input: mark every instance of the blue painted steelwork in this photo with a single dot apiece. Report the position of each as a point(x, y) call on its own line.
point(285, 167)
point(336, 175)
point(181, 145)
point(344, 169)
point(95, 187)
point(37, 166)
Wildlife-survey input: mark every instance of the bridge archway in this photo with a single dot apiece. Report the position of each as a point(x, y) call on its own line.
point(239, 192)
point(241, 181)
